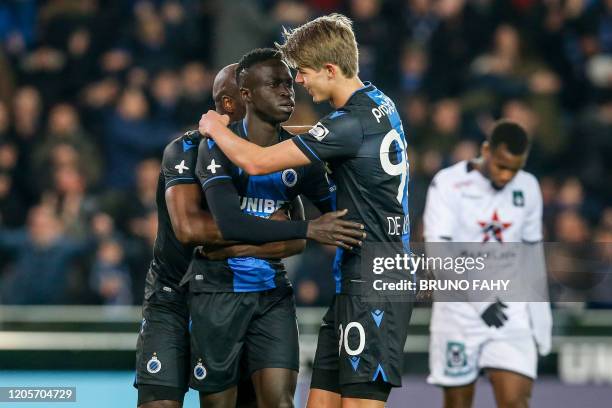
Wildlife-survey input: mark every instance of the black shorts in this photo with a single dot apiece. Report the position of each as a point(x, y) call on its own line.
point(162, 350)
point(258, 327)
point(363, 342)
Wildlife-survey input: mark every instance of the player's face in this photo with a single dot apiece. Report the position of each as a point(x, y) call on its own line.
point(501, 165)
point(272, 94)
point(315, 82)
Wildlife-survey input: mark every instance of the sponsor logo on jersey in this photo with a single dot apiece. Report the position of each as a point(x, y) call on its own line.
point(260, 205)
point(319, 131)
point(289, 177)
point(199, 371)
point(385, 109)
point(154, 365)
point(493, 229)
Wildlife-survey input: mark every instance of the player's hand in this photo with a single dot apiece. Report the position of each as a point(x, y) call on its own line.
point(280, 215)
point(209, 122)
point(216, 252)
point(330, 229)
point(494, 314)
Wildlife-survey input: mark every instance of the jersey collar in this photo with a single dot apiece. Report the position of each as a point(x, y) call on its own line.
point(367, 87)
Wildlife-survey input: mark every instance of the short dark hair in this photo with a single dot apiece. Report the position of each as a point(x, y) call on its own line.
point(254, 57)
point(510, 134)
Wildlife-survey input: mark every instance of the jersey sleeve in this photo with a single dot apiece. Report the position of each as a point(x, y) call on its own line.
point(179, 162)
point(338, 135)
point(212, 167)
point(438, 218)
point(532, 228)
point(317, 187)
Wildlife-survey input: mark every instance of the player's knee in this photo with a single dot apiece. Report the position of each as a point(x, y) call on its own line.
point(519, 400)
point(161, 404)
point(457, 399)
point(281, 400)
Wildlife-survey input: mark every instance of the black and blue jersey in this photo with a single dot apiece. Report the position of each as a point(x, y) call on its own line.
point(364, 144)
point(171, 257)
point(258, 196)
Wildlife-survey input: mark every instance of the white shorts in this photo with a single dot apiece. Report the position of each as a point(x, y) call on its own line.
point(456, 359)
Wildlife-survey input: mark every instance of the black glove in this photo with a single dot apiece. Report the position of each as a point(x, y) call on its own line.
point(494, 314)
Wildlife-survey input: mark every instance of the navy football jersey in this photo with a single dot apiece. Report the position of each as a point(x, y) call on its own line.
point(364, 144)
point(259, 196)
point(170, 257)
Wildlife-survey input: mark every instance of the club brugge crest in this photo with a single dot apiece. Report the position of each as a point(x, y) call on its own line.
point(517, 198)
point(289, 177)
point(154, 365)
point(456, 359)
point(199, 371)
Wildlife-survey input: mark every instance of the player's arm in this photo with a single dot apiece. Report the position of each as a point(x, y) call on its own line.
point(191, 224)
point(318, 188)
point(213, 171)
point(257, 160)
point(440, 212)
point(271, 250)
point(328, 139)
point(540, 315)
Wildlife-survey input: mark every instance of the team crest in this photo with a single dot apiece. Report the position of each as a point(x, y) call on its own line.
point(517, 198)
point(199, 371)
point(319, 131)
point(289, 177)
point(154, 365)
point(456, 359)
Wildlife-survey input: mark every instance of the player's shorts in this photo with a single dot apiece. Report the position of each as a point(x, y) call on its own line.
point(162, 350)
point(456, 359)
point(259, 327)
point(360, 351)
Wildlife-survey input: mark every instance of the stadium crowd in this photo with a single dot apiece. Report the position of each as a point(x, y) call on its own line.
point(92, 90)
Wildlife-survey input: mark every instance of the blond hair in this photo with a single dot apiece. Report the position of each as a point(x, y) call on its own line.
point(325, 40)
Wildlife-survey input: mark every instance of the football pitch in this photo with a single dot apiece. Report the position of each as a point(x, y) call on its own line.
point(97, 389)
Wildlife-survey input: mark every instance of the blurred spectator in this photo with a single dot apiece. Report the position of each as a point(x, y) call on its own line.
point(64, 130)
point(375, 49)
point(43, 257)
point(12, 210)
point(255, 28)
point(92, 91)
point(445, 129)
point(130, 137)
point(196, 96)
point(110, 277)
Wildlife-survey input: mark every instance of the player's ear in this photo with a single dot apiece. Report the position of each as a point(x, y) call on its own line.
point(330, 70)
point(245, 94)
point(485, 149)
point(227, 103)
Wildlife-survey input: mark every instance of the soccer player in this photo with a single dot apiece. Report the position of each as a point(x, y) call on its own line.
point(252, 299)
point(360, 348)
point(489, 199)
point(162, 361)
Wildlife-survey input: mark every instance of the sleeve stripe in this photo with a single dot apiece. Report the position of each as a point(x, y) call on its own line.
point(179, 179)
point(323, 199)
point(214, 178)
point(298, 137)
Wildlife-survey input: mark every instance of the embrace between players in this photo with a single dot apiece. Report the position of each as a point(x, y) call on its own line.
point(221, 318)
